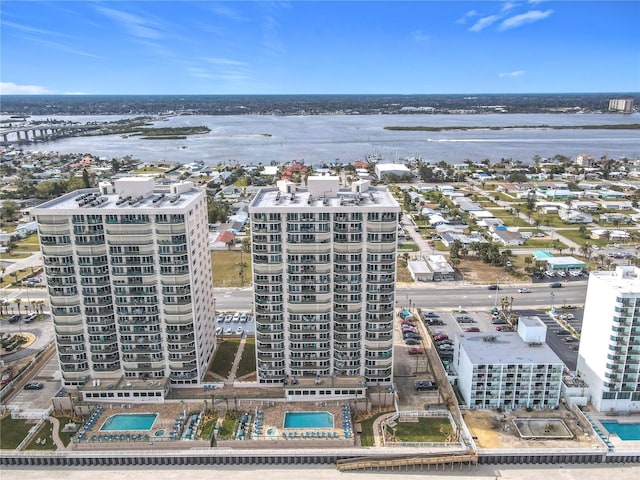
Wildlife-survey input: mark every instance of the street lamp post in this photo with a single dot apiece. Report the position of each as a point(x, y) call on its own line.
point(552, 295)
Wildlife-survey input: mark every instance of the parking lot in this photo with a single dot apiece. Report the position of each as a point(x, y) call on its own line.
point(234, 323)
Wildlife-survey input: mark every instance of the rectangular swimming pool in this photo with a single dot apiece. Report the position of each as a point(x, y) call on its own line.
point(129, 421)
point(626, 431)
point(308, 420)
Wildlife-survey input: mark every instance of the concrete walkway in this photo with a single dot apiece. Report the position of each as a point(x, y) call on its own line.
point(377, 428)
point(55, 433)
point(236, 362)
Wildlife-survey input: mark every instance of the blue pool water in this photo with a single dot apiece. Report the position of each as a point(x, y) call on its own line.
point(626, 431)
point(308, 420)
point(129, 421)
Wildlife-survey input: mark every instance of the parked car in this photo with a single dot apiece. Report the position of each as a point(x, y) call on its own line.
point(411, 335)
point(422, 385)
point(14, 319)
point(555, 285)
point(220, 318)
point(465, 319)
point(236, 317)
point(33, 386)
point(498, 321)
point(228, 318)
point(440, 336)
point(415, 351)
point(431, 315)
point(524, 290)
point(30, 318)
point(445, 347)
point(493, 287)
point(472, 329)
point(239, 331)
point(218, 330)
point(410, 341)
point(434, 321)
point(243, 317)
point(503, 328)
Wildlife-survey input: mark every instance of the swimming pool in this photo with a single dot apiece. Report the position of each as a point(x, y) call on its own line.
point(129, 421)
point(308, 420)
point(626, 431)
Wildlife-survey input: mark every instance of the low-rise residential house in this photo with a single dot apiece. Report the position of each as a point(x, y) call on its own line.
point(617, 205)
point(585, 160)
point(574, 216)
point(512, 188)
point(619, 218)
point(584, 205)
point(448, 239)
point(467, 205)
point(554, 193)
point(608, 193)
point(507, 238)
point(612, 235)
point(437, 219)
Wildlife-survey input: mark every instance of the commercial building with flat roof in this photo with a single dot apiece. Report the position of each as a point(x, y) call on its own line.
point(324, 270)
point(507, 369)
point(130, 286)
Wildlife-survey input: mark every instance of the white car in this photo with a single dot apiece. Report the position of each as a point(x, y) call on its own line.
point(227, 318)
point(524, 290)
point(218, 330)
point(220, 318)
point(228, 331)
point(236, 317)
point(243, 317)
point(239, 331)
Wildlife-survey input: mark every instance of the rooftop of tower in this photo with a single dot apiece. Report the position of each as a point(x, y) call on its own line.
point(324, 192)
point(124, 194)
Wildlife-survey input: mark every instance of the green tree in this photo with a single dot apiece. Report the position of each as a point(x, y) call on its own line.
point(9, 211)
point(85, 178)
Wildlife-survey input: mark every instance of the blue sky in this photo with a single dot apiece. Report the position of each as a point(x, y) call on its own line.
point(306, 47)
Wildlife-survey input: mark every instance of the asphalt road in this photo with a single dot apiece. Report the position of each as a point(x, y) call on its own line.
point(436, 296)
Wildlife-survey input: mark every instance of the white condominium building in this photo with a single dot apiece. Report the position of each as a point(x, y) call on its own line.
point(130, 286)
point(508, 370)
point(609, 355)
point(324, 271)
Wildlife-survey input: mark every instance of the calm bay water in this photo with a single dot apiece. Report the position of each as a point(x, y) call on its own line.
point(255, 139)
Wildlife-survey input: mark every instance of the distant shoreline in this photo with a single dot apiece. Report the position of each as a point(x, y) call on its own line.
point(619, 126)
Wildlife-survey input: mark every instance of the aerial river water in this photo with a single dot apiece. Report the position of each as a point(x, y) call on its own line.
point(262, 139)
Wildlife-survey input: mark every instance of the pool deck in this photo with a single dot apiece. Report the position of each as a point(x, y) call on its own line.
point(273, 419)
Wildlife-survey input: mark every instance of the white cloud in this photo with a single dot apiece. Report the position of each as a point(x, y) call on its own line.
point(524, 18)
point(463, 20)
point(419, 36)
point(10, 88)
point(227, 12)
point(134, 24)
point(484, 22)
point(224, 61)
point(514, 74)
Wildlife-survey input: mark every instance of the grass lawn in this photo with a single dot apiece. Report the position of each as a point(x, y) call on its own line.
point(426, 429)
point(366, 437)
point(12, 432)
point(225, 265)
point(248, 361)
point(45, 433)
point(403, 274)
point(574, 234)
point(227, 430)
point(224, 356)
point(65, 436)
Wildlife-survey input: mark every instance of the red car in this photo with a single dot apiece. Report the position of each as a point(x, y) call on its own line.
point(472, 329)
point(441, 336)
point(416, 351)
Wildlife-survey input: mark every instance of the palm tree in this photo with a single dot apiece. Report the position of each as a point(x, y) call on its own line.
point(586, 251)
point(18, 301)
